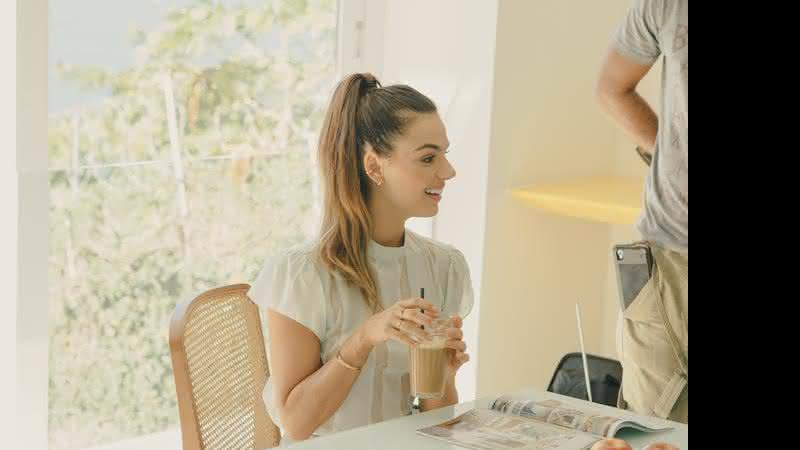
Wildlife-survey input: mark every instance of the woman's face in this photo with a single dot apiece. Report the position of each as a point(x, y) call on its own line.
point(415, 172)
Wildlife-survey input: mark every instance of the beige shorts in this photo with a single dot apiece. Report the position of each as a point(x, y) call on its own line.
point(654, 348)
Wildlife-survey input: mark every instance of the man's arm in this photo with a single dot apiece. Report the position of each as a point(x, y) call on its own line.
point(616, 93)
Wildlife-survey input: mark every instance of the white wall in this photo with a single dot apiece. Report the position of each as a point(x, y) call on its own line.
point(546, 126)
point(8, 222)
point(23, 174)
point(445, 49)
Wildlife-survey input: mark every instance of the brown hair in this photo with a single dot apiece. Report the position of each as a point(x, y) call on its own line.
point(361, 111)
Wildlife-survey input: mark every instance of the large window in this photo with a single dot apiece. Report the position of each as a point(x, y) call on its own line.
point(181, 153)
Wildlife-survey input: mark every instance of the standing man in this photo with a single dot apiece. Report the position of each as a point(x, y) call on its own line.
point(655, 326)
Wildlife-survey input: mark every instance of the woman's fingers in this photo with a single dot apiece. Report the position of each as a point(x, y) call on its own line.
point(410, 328)
point(418, 303)
point(401, 337)
point(455, 344)
point(460, 358)
point(415, 316)
point(454, 333)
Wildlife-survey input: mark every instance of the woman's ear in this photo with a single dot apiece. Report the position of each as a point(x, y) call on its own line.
point(372, 164)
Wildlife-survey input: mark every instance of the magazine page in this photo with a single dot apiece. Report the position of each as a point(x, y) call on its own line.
point(572, 415)
point(485, 429)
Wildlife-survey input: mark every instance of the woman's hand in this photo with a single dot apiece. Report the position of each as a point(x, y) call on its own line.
point(402, 322)
point(455, 342)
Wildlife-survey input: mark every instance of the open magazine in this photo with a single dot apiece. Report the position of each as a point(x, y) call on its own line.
point(547, 424)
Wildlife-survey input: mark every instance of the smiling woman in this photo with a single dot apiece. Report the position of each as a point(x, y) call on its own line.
point(412, 170)
point(341, 309)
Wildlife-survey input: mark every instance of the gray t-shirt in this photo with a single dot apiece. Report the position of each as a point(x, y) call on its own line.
point(653, 28)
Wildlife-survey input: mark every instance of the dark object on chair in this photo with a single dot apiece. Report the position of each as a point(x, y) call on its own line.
point(605, 376)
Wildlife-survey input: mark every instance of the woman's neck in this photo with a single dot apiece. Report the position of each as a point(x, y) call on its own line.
point(388, 228)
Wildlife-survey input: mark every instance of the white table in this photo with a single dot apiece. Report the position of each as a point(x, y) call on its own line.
point(400, 433)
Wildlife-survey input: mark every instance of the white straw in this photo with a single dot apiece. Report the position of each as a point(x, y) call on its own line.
point(583, 353)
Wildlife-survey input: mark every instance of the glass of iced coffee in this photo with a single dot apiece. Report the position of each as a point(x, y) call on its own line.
point(428, 362)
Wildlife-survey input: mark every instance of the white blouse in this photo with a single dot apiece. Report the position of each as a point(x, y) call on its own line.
point(297, 285)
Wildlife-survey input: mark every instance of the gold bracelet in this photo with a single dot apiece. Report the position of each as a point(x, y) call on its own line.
point(345, 364)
